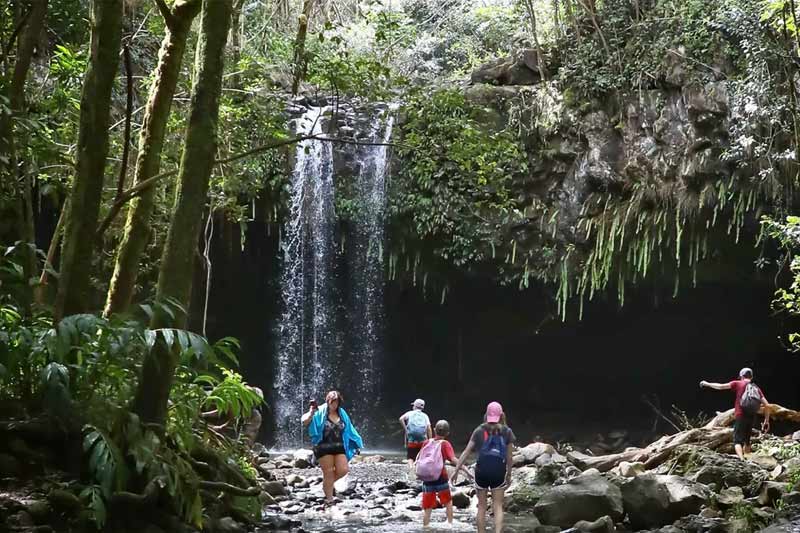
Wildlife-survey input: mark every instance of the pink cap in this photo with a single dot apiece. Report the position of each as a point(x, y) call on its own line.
point(493, 412)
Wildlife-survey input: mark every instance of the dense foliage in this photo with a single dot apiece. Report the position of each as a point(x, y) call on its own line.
point(454, 187)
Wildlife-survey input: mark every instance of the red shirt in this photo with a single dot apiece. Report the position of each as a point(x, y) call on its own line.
point(447, 453)
point(738, 386)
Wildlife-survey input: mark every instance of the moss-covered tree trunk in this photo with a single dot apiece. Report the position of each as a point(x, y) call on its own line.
point(148, 162)
point(84, 206)
point(10, 168)
point(197, 160)
point(300, 45)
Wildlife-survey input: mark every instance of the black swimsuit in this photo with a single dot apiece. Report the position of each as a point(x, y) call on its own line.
point(332, 442)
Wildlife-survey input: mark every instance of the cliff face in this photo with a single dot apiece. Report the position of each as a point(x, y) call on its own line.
point(621, 184)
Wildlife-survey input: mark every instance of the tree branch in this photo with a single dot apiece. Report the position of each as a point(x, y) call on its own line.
point(126, 147)
point(14, 34)
point(163, 8)
point(136, 190)
point(219, 486)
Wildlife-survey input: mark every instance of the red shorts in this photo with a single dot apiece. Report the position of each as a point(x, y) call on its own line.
point(429, 498)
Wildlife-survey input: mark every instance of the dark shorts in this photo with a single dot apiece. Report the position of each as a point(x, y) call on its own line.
point(412, 450)
point(743, 429)
point(328, 448)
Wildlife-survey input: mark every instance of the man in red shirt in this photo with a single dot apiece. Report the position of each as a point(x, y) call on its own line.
point(744, 421)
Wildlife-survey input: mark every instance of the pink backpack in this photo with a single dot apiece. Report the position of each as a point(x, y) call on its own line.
point(429, 461)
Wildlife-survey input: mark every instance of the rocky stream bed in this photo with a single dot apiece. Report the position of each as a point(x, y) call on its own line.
point(695, 486)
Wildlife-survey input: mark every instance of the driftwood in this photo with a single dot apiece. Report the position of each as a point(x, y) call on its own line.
point(713, 435)
point(776, 412)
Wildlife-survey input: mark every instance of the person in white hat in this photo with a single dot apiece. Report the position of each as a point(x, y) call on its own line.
point(748, 400)
point(416, 430)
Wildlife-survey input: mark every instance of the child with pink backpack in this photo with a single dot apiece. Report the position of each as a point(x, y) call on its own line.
point(433, 474)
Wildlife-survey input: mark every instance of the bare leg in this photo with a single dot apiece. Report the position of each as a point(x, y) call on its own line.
point(739, 451)
point(326, 463)
point(748, 449)
point(497, 507)
point(426, 517)
point(341, 466)
point(449, 512)
point(482, 496)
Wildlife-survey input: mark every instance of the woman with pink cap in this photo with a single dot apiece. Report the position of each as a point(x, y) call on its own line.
point(493, 439)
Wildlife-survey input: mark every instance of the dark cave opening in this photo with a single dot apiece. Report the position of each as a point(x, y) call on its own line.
point(557, 379)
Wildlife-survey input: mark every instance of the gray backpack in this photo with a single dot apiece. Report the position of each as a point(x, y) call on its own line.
point(751, 399)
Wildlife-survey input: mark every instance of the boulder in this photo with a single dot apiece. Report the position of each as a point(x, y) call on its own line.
point(274, 488)
point(302, 458)
point(461, 500)
point(627, 469)
point(586, 497)
point(652, 500)
point(227, 525)
point(730, 496)
point(508, 70)
point(64, 501)
point(791, 498)
point(532, 451)
point(771, 491)
point(40, 511)
point(372, 459)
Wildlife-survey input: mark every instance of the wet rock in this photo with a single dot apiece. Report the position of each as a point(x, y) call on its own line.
point(730, 496)
point(698, 524)
point(586, 497)
point(274, 488)
point(461, 500)
point(627, 469)
point(63, 501)
point(40, 511)
point(652, 500)
point(302, 458)
point(227, 525)
point(397, 485)
point(373, 459)
point(602, 525)
point(278, 523)
point(293, 479)
point(20, 519)
point(771, 491)
point(525, 497)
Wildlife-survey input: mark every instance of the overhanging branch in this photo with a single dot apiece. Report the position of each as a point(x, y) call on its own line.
point(138, 189)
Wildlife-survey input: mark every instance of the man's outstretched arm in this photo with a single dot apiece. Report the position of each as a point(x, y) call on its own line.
point(715, 386)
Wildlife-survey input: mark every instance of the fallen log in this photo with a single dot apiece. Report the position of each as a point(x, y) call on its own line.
point(713, 435)
point(776, 412)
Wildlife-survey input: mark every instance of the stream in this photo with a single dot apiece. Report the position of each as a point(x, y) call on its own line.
point(378, 497)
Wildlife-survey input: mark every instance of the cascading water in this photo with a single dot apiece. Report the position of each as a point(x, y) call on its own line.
point(317, 323)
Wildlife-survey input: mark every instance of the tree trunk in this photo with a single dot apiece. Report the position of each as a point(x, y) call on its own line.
point(300, 45)
point(235, 41)
point(539, 56)
point(175, 274)
point(84, 206)
point(148, 162)
point(12, 170)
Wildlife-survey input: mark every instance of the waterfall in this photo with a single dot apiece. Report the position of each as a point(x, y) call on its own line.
point(327, 339)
